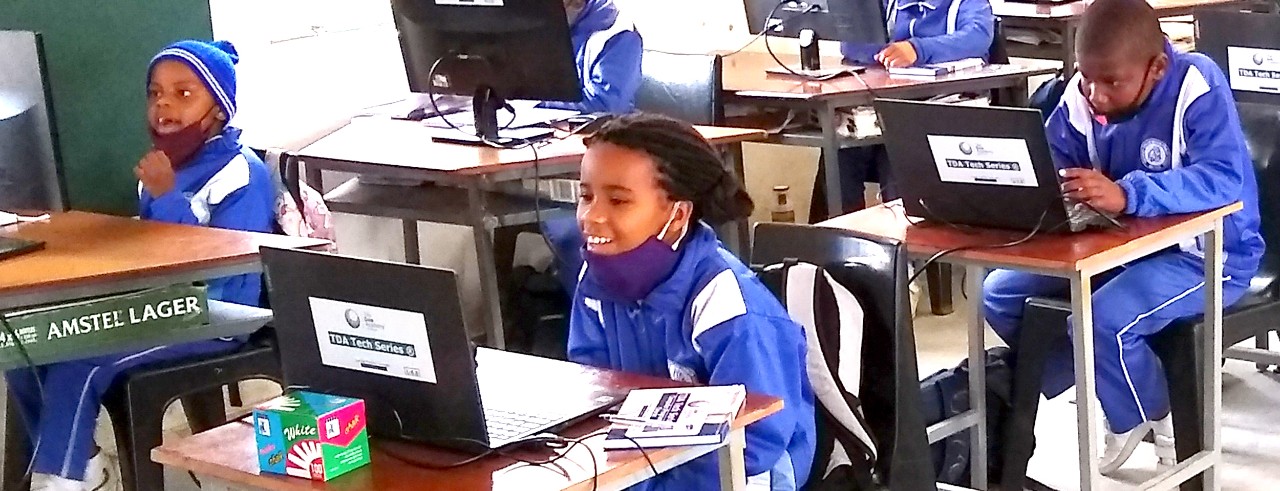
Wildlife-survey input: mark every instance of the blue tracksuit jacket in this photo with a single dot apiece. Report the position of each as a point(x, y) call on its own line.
point(1183, 152)
point(225, 186)
point(710, 322)
point(608, 50)
point(940, 30)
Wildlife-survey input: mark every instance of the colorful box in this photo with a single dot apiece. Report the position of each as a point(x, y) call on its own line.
point(310, 435)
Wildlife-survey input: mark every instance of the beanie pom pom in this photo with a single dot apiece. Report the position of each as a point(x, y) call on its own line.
point(229, 49)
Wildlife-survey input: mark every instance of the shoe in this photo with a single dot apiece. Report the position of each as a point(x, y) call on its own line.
point(1118, 447)
point(101, 474)
point(1166, 453)
point(49, 482)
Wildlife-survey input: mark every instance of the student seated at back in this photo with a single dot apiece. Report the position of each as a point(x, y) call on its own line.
point(197, 174)
point(1141, 130)
point(660, 295)
point(608, 50)
point(920, 32)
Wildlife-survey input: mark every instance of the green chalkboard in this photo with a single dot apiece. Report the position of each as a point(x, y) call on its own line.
point(97, 54)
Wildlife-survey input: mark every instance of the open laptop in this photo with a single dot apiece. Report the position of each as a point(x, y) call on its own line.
point(10, 246)
point(392, 334)
point(981, 166)
point(1247, 47)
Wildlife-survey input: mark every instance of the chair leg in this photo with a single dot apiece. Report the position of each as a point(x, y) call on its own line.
point(1035, 342)
point(17, 448)
point(234, 397)
point(205, 409)
point(144, 432)
point(940, 295)
point(1262, 342)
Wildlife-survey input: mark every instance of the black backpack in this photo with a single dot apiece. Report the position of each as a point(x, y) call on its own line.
point(945, 394)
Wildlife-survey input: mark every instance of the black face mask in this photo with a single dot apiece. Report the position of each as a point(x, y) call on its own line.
point(1129, 111)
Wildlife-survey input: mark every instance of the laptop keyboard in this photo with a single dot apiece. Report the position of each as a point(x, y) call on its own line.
point(506, 426)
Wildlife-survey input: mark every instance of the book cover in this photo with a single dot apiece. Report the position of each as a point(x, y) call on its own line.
point(57, 328)
point(675, 416)
point(937, 69)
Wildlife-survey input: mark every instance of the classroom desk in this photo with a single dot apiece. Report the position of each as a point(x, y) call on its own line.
point(88, 254)
point(465, 185)
point(747, 83)
point(225, 458)
point(1077, 257)
point(1064, 19)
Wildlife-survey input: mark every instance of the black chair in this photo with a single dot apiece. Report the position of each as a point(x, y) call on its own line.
point(683, 86)
point(138, 398)
point(1179, 345)
point(890, 392)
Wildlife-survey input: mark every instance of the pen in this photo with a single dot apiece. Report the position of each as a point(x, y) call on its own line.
point(629, 421)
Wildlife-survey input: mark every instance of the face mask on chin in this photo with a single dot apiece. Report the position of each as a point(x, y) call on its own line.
point(180, 146)
point(633, 274)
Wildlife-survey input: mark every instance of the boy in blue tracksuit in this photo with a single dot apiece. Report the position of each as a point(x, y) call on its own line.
point(660, 295)
point(197, 174)
point(1145, 131)
point(608, 50)
point(920, 32)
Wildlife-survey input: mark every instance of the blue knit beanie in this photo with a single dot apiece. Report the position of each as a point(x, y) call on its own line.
point(213, 62)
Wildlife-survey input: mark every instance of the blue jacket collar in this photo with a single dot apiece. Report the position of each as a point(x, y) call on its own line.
point(596, 15)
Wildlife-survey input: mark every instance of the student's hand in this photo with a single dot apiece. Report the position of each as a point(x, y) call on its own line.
point(155, 172)
point(899, 54)
point(1094, 188)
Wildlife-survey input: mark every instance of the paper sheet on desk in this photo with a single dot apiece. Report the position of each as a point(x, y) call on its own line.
point(385, 141)
point(526, 114)
point(7, 218)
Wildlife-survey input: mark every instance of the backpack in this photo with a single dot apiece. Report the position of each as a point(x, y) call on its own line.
point(834, 324)
point(945, 394)
point(300, 209)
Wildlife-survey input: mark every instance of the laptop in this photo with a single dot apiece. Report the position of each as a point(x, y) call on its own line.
point(392, 335)
point(1246, 45)
point(10, 246)
point(980, 166)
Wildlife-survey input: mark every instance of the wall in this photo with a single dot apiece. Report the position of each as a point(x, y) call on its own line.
point(97, 54)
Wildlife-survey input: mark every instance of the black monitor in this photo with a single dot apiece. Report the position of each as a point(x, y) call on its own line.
point(30, 175)
point(492, 50)
point(853, 21)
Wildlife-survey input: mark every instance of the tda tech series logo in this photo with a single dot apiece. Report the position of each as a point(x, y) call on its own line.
point(359, 319)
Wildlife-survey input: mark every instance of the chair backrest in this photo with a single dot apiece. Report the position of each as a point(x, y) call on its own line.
point(999, 52)
point(1261, 123)
point(874, 271)
point(683, 86)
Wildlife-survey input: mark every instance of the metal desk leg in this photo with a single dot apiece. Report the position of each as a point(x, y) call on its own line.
point(733, 468)
point(412, 252)
point(1212, 338)
point(977, 379)
point(741, 244)
point(1086, 417)
point(1069, 49)
point(491, 304)
point(831, 160)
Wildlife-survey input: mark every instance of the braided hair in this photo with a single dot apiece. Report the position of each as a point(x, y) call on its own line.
point(689, 168)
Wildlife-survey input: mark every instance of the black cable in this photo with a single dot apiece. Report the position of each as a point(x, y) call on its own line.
point(35, 375)
point(769, 48)
point(943, 253)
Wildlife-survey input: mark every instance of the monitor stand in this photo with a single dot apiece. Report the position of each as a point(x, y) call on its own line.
point(485, 105)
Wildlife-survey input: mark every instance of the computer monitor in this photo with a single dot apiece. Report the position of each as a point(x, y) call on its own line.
point(30, 176)
point(488, 49)
point(853, 21)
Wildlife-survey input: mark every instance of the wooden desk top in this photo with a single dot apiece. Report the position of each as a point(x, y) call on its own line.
point(1060, 252)
point(1073, 10)
point(84, 249)
point(745, 76)
point(229, 452)
point(383, 141)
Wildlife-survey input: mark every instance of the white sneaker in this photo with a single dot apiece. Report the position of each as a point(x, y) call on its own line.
point(1166, 453)
point(49, 482)
point(101, 474)
point(1118, 447)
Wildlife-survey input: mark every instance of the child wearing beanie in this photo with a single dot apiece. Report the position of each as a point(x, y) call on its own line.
point(197, 174)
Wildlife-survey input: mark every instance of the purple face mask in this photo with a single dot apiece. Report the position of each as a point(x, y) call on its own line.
point(633, 274)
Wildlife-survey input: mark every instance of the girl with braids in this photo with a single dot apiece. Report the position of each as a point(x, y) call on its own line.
point(660, 295)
